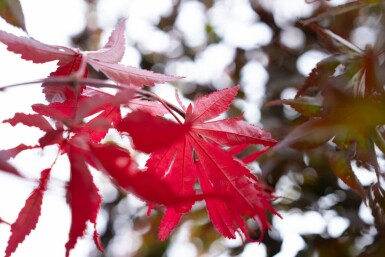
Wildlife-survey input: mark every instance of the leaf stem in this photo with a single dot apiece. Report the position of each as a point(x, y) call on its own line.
point(169, 106)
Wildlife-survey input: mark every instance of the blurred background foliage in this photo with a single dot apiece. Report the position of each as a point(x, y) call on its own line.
point(327, 170)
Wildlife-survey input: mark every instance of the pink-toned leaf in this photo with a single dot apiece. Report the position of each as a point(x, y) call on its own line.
point(12, 152)
point(113, 51)
point(33, 50)
point(57, 111)
point(31, 120)
point(83, 196)
point(7, 167)
point(179, 100)
point(128, 75)
point(28, 216)
point(152, 107)
point(99, 101)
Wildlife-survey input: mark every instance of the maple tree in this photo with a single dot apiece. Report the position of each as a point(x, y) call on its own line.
point(181, 153)
point(196, 155)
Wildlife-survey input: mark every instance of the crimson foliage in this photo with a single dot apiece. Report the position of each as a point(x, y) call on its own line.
point(190, 160)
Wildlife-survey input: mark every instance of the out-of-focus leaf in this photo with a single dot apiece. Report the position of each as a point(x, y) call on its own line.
point(309, 135)
point(5, 166)
point(379, 140)
point(12, 152)
point(11, 11)
point(308, 106)
point(375, 249)
point(333, 39)
point(4, 222)
point(340, 9)
point(342, 168)
point(83, 197)
point(31, 120)
point(376, 201)
point(323, 71)
point(28, 216)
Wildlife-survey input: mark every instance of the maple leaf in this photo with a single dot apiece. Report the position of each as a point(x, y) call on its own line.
point(72, 112)
point(83, 196)
point(28, 216)
point(52, 136)
point(181, 154)
point(117, 163)
point(73, 61)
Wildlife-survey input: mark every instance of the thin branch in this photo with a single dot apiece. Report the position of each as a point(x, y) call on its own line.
point(73, 81)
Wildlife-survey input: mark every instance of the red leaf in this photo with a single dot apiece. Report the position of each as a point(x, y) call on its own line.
point(169, 221)
point(192, 151)
point(95, 101)
point(210, 106)
point(31, 120)
point(117, 163)
point(233, 132)
point(91, 102)
point(98, 127)
point(140, 125)
point(28, 216)
point(57, 92)
point(3, 221)
point(83, 196)
point(51, 138)
point(229, 178)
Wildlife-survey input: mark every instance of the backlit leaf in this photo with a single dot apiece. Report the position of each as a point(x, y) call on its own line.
point(28, 216)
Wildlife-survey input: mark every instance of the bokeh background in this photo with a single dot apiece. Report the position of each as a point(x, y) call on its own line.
point(260, 45)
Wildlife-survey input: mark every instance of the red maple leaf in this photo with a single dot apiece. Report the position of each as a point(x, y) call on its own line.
point(182, 154)
point(199, 151)
point(83, 196)
point(28, 216)
point(116, 162)
point(73, 61)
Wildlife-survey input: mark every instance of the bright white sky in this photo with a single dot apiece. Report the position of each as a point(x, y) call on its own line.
point(234, 21)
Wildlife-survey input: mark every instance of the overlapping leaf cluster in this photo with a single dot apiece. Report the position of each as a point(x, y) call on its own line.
point(190, 160)
point(341, 104)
